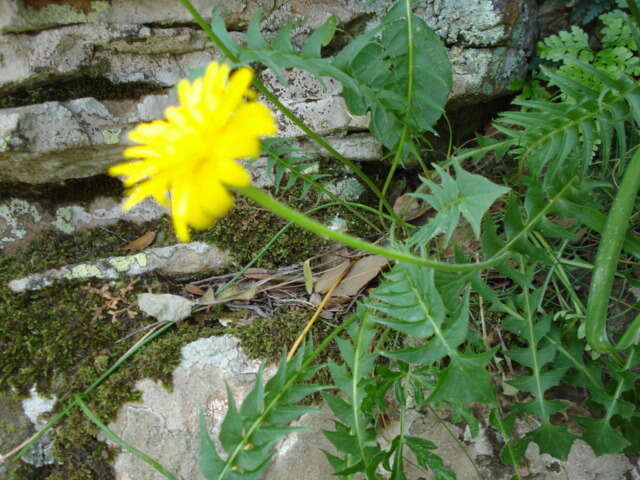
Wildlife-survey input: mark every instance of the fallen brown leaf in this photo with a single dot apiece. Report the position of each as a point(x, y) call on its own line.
point(329, 277)
point(362, 272)
point(408, 207)
point(140, 243)
point(194, 289)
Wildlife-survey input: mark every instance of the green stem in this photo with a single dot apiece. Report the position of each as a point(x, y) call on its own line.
point(288, 113)
point(405, 128)
point(302, 220)
point(608, 256)
point(115, 438)
point(318, 186)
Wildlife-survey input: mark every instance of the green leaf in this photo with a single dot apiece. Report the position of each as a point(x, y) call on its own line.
point(466, 379)
point(321, 37)
point(209, 462)
point(469, 195)
point(552, 439)
point(601, 436)
point(427, 459)
point(231, 428)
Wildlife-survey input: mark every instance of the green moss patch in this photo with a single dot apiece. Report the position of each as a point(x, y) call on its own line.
point(57, 339)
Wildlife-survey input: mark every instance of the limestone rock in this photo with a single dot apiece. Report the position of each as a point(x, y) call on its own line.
point(29, 15)
point(165, 307)
point(174, 260)
point(165, 424)
point(54, 141)
point(120, 53)
point(21, 220)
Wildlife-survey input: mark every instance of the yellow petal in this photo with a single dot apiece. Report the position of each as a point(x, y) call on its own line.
point(232, 174)
point(140, 151)
point(184, 91)
point(236, 90)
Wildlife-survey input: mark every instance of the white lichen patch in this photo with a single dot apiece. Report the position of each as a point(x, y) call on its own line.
point(16, 215)
point(124, 264)
point(71, 218)
point(176, 259)
point(83, 271)
point(348, 189)
point(339, 224)
point(63, 220)
point(111, 136)
point(36, 405)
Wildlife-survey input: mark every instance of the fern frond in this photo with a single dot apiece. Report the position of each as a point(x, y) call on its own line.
point(548, 133)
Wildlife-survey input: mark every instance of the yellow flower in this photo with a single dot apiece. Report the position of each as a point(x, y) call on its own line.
point(186, 161)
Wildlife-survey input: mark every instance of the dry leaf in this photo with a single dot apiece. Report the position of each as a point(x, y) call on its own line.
point(209, 298)
point(329, 277)
point(140, 243)
point(308, 276)
point(408, 207)
point(194, 289)
point(362, 272)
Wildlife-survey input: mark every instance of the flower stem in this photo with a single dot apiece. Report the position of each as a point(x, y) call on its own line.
point(302, 220)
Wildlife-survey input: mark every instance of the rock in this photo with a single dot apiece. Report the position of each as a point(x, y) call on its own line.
point(300, 454)
point(489, 44)
point(57, 140)
point(583, 464)
point(29, 15)
point(165, 424)
point(21, 220)
point(165, 307)
point(36, 407)
point(54, 141)
point(177, 259)
point(119, 53)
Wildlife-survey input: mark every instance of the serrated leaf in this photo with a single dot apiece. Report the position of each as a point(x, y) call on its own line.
point(599, 434)
point(466, 380)
point(254, 402)
point(427, 459)
point(231, 428)
point(209, 462)
point(552, 439)
point(468, 195)
point(284, 414)
point(320, 38)
point(439, 346)
point(343, 441)
point(537, 384)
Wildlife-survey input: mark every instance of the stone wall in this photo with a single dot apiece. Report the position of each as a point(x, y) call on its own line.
point(76, 75)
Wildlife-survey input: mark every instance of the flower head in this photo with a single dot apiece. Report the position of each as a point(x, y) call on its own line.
point(186, 161)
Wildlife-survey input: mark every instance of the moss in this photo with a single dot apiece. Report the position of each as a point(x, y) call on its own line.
point(54, 339)
point(249, 227)
point(57, 339)
point(87, 86)
point(267, 338)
